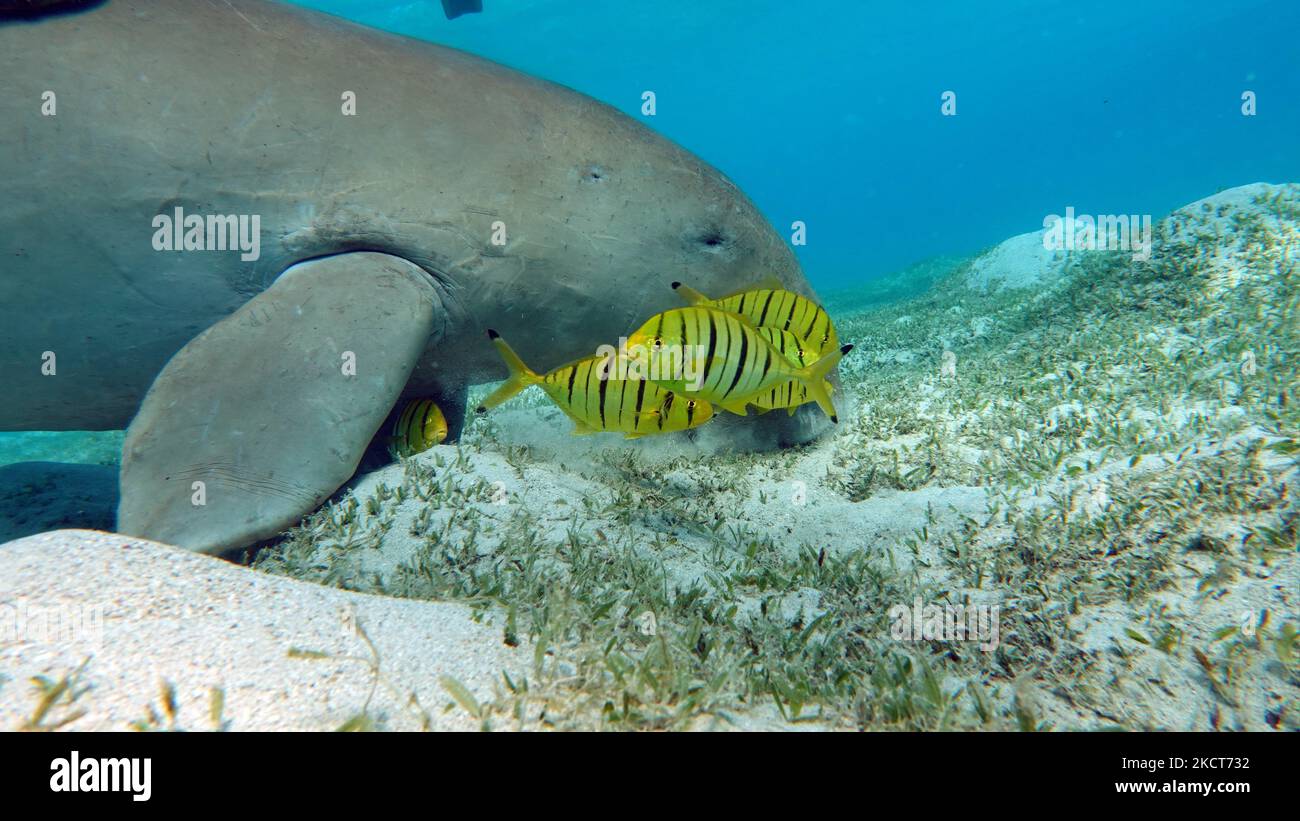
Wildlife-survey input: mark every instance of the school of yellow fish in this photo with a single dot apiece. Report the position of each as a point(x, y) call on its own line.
point(764, 346)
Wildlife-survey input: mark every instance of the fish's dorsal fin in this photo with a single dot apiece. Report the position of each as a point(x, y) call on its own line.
point(744, 320)
point(694, 297)
point(691, 295)
point(768, 283)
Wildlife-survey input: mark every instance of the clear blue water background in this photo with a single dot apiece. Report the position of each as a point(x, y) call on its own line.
point(829, 112)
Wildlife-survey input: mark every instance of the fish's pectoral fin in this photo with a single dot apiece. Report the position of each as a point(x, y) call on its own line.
point(261, 417)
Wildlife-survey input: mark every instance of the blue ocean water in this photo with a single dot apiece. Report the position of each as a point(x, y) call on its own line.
point(829, 112)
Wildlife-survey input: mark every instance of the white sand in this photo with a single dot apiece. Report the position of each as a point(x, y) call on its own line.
point(202, 623)
point(1020, 262)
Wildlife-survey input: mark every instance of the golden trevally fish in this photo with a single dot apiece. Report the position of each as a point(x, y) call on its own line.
point(789, 394)
point(718, 356)
point(770, 306)
point(419, 427)
point(597, 397)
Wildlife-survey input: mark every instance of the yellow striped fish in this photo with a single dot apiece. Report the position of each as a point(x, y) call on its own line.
point(419, 427)
point(598, 399)
point(771, 306)
point(790, 394)
point(718, 356)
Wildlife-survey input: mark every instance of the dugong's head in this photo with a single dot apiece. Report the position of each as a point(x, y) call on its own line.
point(571, 221)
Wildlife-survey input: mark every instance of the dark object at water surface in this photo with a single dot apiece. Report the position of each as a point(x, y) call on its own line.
point(455, 8)
point(31, 9)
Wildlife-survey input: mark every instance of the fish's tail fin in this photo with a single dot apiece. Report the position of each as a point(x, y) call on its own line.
point(813, 379)
point(691, 295)
point(521, 376)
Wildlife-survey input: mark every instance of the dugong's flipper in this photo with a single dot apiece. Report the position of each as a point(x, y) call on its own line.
point(260, 418)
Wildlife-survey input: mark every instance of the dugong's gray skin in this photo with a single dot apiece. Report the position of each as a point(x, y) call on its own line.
point(235, 108)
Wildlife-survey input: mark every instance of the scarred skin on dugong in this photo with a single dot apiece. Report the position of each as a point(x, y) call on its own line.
point(238, 109)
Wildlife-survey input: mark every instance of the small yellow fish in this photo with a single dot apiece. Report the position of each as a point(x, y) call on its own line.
point(419, 427)
point(598, 400)
point(715, 355)
point(791, 394)
point(771, 306)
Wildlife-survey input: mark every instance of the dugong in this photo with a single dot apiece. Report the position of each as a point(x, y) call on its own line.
point(366, 204)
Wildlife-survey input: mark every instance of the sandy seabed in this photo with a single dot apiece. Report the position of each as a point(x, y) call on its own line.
point(1103, 449)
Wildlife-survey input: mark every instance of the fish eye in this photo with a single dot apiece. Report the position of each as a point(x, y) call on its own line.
point(691, 404)
point(658, 343)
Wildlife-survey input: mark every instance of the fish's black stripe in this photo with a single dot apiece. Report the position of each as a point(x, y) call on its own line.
point(399, 429)
point(424, 420)
point(762, 317)
point(581, 382)
point(640, 398)
point(622, 403)
point(690, 413)
point(802, 308)
point(779, 310)
point(789, 315)
point(740, 363)
point(713, 344)
point(590, 394)
point(667, 408)
point(604, 386)
point(573, 374)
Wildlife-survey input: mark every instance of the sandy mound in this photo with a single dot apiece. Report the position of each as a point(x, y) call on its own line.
point(280, 654)
point(1020, 262)
point(1222, 225)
